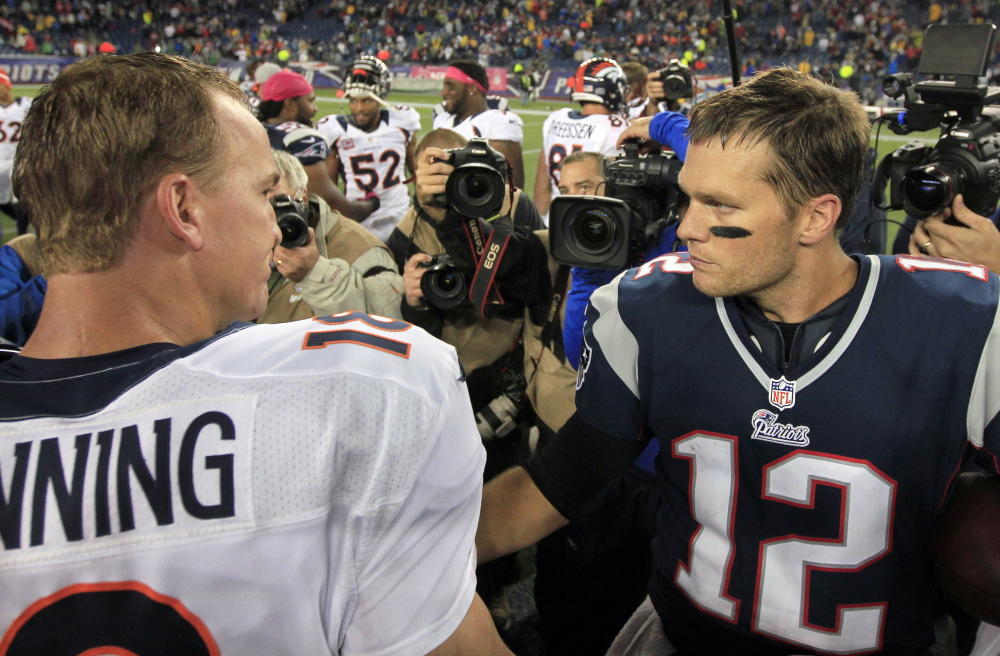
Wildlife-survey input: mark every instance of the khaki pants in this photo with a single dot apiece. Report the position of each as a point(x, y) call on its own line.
point(642, 635)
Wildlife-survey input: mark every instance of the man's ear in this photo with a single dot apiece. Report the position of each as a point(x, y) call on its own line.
point(175, 200)
point(820, 218)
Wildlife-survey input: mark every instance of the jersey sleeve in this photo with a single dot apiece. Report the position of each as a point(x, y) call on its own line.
point(307, 144)
point(505, 126)
point(330, 128)
point(607, 376)
point(406, 118)
point(417, 585)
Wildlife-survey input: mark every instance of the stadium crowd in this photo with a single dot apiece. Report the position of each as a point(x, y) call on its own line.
point(825, 35)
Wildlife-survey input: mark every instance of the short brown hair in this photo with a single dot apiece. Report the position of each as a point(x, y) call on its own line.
point(818, 135)
point(442, 138)
point(582, 156)
point(636, 74)
point(95, 142)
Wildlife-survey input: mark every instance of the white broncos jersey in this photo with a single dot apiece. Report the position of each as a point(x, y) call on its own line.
point(492, 124)
point(300, 488)
point(375, 161)
point(568, 131)
point(11, 118)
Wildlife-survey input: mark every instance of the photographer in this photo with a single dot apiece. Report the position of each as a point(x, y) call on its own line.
point(585, 279)
point(349, 269)
point(428, 229)
point(591, 575)
point(488, 346)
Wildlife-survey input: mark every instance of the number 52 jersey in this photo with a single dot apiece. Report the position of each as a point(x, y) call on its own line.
point(799, 508)
point(300, 488)
point(375, 161)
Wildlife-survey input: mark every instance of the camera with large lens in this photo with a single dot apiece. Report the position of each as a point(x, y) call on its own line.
point(293, 220)
point(476, 188)
point(677, 80)
point(610, 232)
point(443, 284)
point(499, 417)
point(924, 179)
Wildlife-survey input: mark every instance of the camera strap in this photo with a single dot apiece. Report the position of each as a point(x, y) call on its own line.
point(488, 253)
point(552, 322)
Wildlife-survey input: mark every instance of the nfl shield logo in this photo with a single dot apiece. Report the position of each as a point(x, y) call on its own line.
point(782, 393)
point(346, 144)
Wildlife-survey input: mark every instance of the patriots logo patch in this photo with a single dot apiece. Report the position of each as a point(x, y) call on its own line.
point(315, 150)
point(767, 427)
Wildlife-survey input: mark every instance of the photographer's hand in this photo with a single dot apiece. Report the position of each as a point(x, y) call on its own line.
point(979, 243)
point(638, 129)
point(296, 263)
point(431, 179)
point(412, 273)
point(654, 87)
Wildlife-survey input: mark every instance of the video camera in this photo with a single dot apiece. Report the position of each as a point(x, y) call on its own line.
point(293, 220)
point(924, 179)
point(609, 232)
point(477, 186)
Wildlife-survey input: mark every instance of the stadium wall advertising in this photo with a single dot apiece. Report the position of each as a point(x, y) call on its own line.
point(42, 70)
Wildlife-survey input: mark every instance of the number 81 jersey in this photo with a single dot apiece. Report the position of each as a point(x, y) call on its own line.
point(799, 508)
point(568, 131)
point(375, 161)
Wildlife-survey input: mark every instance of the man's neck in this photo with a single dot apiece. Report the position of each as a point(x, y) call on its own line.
point(802, 294)
point(590, 109)
point(477, 105)
point(84, 315)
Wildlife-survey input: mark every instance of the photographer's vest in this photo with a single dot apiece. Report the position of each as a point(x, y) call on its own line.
point(479, 341)
point(345, 240)
point(552, 388)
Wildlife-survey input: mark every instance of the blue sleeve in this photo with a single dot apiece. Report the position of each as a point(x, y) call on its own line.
point(21, 297)
point(669, 129)
point(584, 282)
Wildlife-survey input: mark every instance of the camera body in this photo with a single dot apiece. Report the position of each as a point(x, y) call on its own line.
point(293, 220)
point(444, 285)
point(924, 180)
point(677, 80)
point(477, 186)
point(609, 232)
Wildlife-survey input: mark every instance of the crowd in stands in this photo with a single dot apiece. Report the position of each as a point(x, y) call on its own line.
point(857, 41)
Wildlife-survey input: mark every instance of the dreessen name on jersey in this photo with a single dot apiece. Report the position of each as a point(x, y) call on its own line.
point(572, 130)
point(186, 467)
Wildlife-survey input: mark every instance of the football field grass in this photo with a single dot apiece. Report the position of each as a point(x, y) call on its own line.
point(533, 116)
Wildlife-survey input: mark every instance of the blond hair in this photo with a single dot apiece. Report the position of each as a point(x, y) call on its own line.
point(96, 141)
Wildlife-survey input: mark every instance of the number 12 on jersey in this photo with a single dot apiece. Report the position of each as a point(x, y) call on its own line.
point(785, 563)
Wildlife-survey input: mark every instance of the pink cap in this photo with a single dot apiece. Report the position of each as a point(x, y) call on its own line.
point(285, 84)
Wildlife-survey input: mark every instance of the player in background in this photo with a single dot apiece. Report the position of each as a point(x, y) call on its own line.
point(601, 89)
point(225, 488)
point(12, 110)
point(288, 104)
point(468, 113)
point(638, 101)
point(372, 147)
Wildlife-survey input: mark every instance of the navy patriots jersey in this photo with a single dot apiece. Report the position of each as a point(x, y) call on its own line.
point(799, 509)
point(306, 143)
